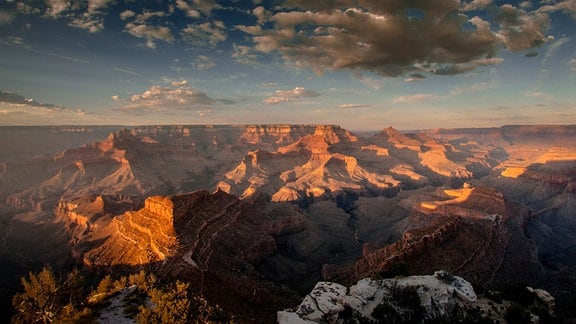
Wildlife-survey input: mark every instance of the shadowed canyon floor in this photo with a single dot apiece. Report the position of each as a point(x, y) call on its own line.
point(253, 216)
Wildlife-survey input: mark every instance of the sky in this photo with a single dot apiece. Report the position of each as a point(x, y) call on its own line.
point(360, 64)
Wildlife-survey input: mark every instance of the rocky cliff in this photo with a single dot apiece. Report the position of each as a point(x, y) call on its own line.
point(312, 197)
point(211, 240)
point(467, 231)
point(439, 297)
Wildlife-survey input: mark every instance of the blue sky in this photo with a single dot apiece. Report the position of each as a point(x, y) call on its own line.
point(361, 64)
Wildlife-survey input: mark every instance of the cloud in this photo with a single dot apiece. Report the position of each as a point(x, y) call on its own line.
point(204, 112)
point(96, 5)
point(243, 54)
point(567, 6)
point(269, 85)
point(540, 95)
point(149, 15)
point(176, 95)
point(16, 109)
point(372, 83)
point(262, 14)
point(150, 33)
point(280, 96)
point(14, 98)
point(353, 106)
point(203, 62)
point(573, 65)
point(472, 88)
point(205, 33)
point(56, 7)
point(6, 17)
point(89, 23)
point(127, 14)
point(188, 8)
point(554, 47)
point(415, 77)
point(419, 97)
point(521, 30)
point(476, 5)
point(387, 41)
point(396, 37)
point(206, 6)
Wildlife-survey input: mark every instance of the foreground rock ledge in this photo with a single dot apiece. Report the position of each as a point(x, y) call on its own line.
point(439, 295)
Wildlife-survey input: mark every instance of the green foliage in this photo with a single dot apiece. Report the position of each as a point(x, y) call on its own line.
point(39, 302)
point(45, 300)
point(142, 280)
point(105, 286)
point(168, 306)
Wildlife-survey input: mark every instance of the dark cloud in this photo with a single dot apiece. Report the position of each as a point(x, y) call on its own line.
point(396, 37)
point(14, 98)
point(522, 30)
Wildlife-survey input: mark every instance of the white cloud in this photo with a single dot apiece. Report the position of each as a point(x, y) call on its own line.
point(188, 8)
point(280, 96)
point(472, 88)
point(419, 97)
point(476, 5)
point(150, 33)
point(203, 62)
point(243, 54)
point(56, 7)
point(127, 14)
point(205, 33)
point(353, 106)
point(176, 95)
point(89, 23)
point(179, 95)
point(568, 6)
point(415, 77)
point(262, 14)
point(540, 95)
point(96, 5)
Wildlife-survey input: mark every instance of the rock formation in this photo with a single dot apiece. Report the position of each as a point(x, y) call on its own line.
point(295, 202)
point(437, 297)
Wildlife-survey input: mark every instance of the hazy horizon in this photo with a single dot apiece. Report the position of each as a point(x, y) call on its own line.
point(363, 65)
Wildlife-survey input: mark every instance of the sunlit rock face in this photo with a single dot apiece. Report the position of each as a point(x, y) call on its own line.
point(193, 224)
point(288, 205)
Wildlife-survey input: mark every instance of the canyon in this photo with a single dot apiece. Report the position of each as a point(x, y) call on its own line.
point(252, 216)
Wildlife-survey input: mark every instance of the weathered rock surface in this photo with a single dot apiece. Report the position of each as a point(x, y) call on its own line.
point(436, 295)
point(211, 240)
point(337, 197)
